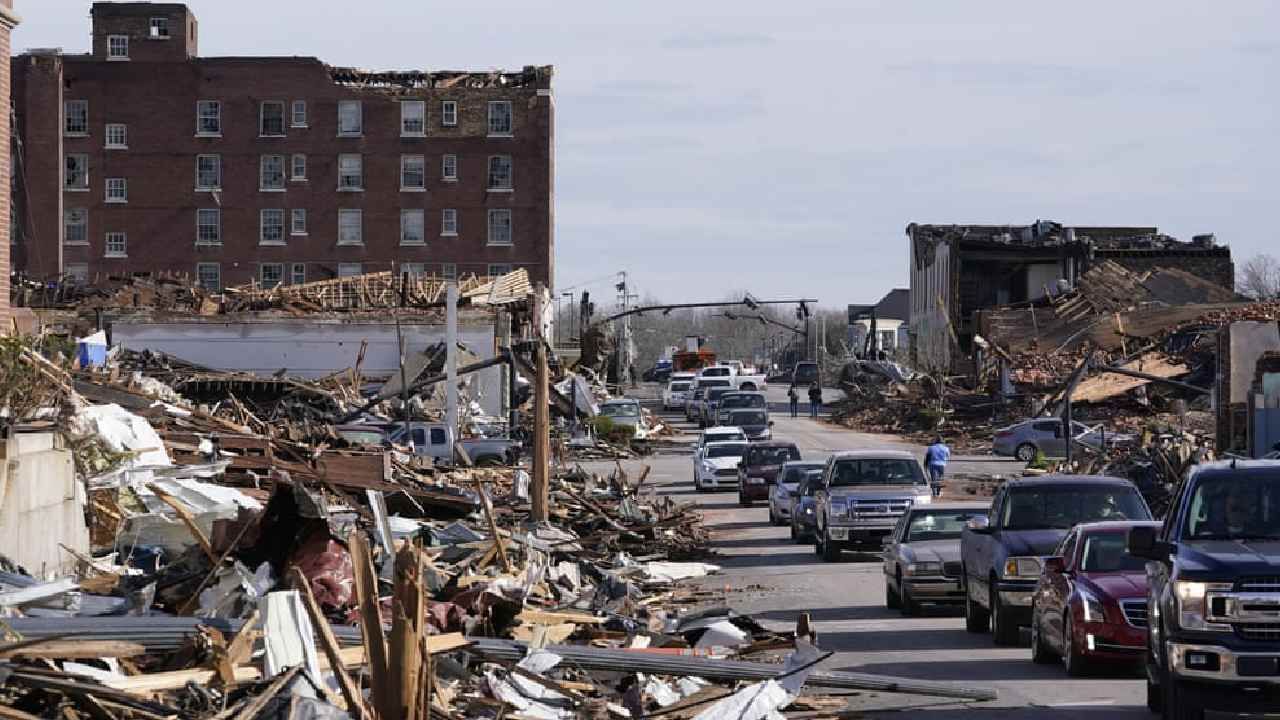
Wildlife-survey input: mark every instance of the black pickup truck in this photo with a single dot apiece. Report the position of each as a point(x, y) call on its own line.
point(1213, 599)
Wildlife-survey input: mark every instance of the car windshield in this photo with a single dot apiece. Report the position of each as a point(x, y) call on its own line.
point(1235, 508)
point(619, 410)
point(722, 437)
point(1065, 506)
point(716, 393)
point(773, 455)
point(796, 473)
point(750, 417)
point(882, 471)
point(713, 383)
point(742, 401)
point(726, 450)
point(678, 386)
point(1106, 552)
point(937, 524)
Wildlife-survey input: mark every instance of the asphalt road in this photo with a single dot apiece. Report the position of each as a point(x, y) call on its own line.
point(774, 580)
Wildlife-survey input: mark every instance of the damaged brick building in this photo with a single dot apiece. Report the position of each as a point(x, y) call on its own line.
point(959, 270)
point(142, 157)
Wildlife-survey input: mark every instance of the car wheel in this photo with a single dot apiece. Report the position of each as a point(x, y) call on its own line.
point(1155, 700)
point(795, 534)
point(1040, 652)
point(976, 618)
point(1026, 452)
point(742, 500)
point(909, 605)
point(830, 551)
point(891, 600)
point(1178, 703)
point(1003, 632)
point(1071, 660)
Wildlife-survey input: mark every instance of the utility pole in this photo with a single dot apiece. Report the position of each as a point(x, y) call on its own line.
point(451, 363)
point(540, 496)
point(623, 332)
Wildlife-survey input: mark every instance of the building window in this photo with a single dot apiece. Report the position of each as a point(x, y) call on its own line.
point(272, 227)
point(209, 118)
point(271, 119)
point(350, 227)
point(350, 172)
point(298, 222)
point(449, 222)
point(208, 172)
point(500, 172)
point(298, 167)
point(117, 47)
point(298, 118)
point(500, 117)
point(76, 122)
point(77, 172)
point(350, 121)
point(117, 136)
point(117, 245)
point(271, 274)
point(413, 270)
point(449, 113)
point(117, 190)
point(413, 118)
point(413, 230)
point(350, 269)
point(208, 226)
point(500, 227)
point(449, 167)
point(209, 276)
point(499, 269)
point(413, 172)
point(299, 275)
point(272, 173)
point(160, 28)
point(75, 226)
point(449, 271)
point(77, 272)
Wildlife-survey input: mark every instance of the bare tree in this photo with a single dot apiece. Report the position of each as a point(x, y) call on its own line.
point(1259, 278)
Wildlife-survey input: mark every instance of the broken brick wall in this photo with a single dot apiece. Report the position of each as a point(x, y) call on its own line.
point(1214, 265)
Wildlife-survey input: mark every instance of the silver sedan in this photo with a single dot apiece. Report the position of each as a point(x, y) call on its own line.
point(922, 556)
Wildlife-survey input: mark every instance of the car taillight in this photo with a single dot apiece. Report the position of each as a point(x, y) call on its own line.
point(1004, 434)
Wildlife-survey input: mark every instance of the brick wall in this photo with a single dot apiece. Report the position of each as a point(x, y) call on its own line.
point(1212, 265)
point(7, 21)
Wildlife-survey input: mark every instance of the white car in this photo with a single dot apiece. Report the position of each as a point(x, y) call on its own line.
point(719, 433)
point(676, 393)
point(717, 466)
point(787, 487)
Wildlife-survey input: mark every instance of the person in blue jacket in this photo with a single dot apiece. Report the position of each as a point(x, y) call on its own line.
point(935, 462)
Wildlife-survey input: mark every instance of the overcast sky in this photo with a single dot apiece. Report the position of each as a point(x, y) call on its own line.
point(709, 146)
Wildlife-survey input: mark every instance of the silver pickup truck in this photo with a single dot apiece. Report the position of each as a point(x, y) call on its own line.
point(436, 440)
point(862, 495)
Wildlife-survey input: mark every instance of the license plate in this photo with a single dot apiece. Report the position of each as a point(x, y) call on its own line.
point(838, 533)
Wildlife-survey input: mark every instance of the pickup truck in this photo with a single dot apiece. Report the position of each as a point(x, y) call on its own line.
point(862, 495)
point(737, 379)
point(433, 440)
point(1213, 593)
point(740, 400)
point(1002, 553)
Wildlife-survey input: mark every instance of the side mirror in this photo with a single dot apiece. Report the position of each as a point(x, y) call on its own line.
point(1143, 544)
point(1055, 565)
point(979, 525)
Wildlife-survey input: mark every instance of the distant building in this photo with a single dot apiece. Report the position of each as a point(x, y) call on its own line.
point(142, 157)
point(957, 270)
point(8, 21)
point(892, 316)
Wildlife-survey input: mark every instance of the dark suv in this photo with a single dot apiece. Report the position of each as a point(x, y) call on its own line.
point(1002, 553)
point(759, 469)
point(1213, 597)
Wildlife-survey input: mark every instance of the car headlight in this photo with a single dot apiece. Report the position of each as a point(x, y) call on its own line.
point(1024, 568)
point(808, 510)
point(1093, 609)
point(755, 481)
point(924, 568)
point(1193, 602)
point(839, 506)
point(922, 499)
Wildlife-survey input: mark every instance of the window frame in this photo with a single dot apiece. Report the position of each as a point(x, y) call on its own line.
point(510, 227)
point(66, 118)
point(217, 159)
point(262, 173)
point(158, 22)
point(111, 49)
point(421, 215)
point(511, 119)
point(448, 113)
point(294, 277)
point(404, 161)
point(123, 252)
point(359, 131)
point(449, 167)
point(349, 265)
point(293, 221)
point(359, 215)
point(83, 225)
point(449, 271)
point(448, 222)
point(294, 175)
point(262, 227)
point(359, 186)
point(262, 119)
point(217, 269)
point(490, 269)
point(511, 181)
point(75, 188)
point(115, 183)
point(404, 105)
point(294, 107)
point(262, 274)
point(107, 144)
point(216, 105)
point(200, 225)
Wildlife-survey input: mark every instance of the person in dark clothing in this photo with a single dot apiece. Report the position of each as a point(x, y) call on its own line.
point(815, 399)
point(794, 397)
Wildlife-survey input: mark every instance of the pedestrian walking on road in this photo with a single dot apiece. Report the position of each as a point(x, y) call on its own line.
point(935, 461)
point(794, 397)
point(815, 399)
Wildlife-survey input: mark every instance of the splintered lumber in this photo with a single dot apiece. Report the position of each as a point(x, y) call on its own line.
point(71, 649)
point(548, 617)
point(493, 527)
point(329, 644)
point(372, 634)
point(187, 519)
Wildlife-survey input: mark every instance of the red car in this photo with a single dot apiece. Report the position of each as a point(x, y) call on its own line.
point(1091, 602)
